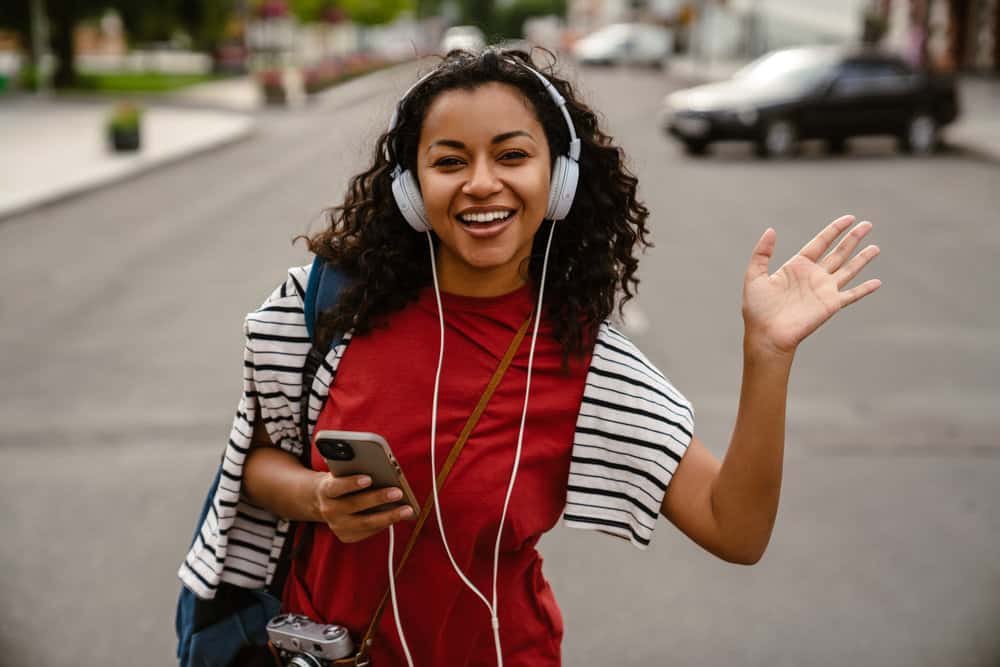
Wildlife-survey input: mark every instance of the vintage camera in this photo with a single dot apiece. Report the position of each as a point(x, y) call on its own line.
point(304, 643)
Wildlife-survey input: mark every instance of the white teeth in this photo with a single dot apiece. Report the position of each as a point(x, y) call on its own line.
point(484, 217)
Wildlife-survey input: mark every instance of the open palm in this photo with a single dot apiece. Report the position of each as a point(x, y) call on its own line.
point(783, 308)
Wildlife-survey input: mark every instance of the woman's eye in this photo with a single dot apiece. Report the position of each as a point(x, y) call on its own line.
point(513, 155)
point(448, 162)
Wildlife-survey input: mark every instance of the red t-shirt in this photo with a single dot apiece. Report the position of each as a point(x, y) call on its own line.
point(385, 384)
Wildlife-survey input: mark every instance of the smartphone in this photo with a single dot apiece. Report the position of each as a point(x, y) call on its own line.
point(360, 453)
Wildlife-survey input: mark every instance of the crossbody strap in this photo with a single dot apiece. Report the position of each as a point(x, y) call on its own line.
point(361, 658)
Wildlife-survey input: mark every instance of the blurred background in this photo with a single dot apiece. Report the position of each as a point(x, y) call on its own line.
point(158, 158)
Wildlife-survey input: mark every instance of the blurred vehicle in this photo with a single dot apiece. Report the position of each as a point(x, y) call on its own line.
point(464, 37)
point(815, 93)
point(625, 44)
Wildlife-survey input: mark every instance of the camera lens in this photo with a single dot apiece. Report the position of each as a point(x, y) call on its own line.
point(303, 660)
point(343, 451)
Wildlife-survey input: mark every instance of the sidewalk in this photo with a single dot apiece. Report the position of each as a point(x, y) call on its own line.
point(977, 129)
point(50, 150)
point(56, 148)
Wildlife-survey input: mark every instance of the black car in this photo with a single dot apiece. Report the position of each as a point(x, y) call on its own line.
point(815, 93)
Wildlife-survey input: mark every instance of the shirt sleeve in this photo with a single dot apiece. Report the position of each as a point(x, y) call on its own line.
point(631, 433)
point(238, 542)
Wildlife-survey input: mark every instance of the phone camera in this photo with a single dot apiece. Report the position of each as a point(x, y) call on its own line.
point(342, 451)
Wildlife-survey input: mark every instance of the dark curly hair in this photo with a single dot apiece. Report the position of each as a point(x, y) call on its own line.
point(592, 258)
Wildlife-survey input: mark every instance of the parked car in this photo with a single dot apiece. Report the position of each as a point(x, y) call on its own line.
point(626, 44)
point(464, 37)
point(815, 93)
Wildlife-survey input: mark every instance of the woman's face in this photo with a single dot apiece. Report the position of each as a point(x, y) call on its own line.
point(483, 166)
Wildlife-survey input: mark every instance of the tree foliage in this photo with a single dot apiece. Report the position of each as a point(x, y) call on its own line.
point(375, 12)
point(508, 22)
point(204, 21)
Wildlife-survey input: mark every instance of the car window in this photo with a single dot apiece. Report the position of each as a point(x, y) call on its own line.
point(871, 78)
point(793, 69)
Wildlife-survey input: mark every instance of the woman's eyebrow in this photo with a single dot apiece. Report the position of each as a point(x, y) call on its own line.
point(500, 138)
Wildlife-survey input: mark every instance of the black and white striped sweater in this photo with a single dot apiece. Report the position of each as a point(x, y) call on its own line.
point(632, 429)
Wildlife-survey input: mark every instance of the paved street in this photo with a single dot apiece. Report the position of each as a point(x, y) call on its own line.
point(120, 325)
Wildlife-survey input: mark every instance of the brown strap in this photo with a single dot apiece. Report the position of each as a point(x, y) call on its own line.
point(443, 475)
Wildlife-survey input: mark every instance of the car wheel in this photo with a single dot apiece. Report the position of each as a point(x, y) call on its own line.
point(778, 139)
point(697, 148)
point(921, 135)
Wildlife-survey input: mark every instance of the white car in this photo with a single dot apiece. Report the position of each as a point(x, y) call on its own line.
point(626, 44)
point(464, 37)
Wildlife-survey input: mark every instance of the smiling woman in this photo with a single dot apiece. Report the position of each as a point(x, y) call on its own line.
point(485, 192)
point(494, 206)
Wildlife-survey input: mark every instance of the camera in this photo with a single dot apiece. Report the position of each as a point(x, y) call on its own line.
point(303, 643)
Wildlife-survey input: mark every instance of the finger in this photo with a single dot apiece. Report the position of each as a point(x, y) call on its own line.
point(359, 502)
point(356, 527)
point(859, 292)
point(335, 487)
point(849, 271)
point(822, 241)
point(842, 252)
point(761, 255)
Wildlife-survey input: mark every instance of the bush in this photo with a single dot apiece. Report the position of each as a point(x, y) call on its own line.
point(126, 116)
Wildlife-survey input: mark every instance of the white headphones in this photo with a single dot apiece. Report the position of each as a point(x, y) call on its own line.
point(562, 186)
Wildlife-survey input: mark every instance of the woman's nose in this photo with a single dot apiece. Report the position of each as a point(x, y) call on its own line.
point(482, 181)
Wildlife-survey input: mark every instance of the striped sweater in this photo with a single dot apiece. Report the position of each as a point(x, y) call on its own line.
point(632, 429)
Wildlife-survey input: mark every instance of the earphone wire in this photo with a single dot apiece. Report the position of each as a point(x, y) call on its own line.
point(492, 607)
point(395, 603)
point(434, 406)
point(520, 440)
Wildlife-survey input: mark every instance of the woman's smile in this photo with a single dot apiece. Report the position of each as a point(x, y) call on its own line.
point(484, 169)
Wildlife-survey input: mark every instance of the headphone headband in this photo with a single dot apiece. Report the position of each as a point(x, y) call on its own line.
point(560, 101)
point(565, 171)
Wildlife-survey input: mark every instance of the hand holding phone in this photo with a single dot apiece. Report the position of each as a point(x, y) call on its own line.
point(367, 490)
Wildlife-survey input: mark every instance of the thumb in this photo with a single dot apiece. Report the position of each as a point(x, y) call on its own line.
point(761, 255)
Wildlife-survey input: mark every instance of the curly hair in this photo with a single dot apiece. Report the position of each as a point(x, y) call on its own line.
point(592, 259)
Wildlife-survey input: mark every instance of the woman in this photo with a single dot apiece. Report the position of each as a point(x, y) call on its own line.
point(581, 424)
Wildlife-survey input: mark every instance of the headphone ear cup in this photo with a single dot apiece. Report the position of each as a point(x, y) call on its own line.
point(407, 195)
point(562, 187)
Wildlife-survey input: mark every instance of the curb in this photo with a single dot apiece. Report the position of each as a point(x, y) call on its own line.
point(100, 180)
point(350, 92)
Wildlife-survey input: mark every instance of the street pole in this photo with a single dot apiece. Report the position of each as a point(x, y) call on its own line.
point(39, 45)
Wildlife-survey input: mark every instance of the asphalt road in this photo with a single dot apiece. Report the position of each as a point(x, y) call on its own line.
point(120, 325)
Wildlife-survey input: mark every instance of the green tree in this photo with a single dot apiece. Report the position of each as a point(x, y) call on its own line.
point(63, 17)
point(310, 11)
point(204, 21)
point(509, 21)
point(375, 12)
point(478, 13)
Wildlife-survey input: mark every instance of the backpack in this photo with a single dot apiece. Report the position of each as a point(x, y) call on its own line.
point(210, 633)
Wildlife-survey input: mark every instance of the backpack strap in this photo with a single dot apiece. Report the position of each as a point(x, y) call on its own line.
point(322, 291)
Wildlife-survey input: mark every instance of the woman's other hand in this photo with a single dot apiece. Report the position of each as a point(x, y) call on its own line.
point(340, 499)
point(780, 310)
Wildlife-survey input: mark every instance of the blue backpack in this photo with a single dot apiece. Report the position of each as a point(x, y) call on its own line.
point(210, 633)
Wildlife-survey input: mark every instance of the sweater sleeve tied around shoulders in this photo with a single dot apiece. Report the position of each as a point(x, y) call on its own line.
point(238, 542)
point(632, 430)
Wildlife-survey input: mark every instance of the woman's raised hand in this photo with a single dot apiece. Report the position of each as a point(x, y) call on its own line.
point(339, 499)
point(780, 310)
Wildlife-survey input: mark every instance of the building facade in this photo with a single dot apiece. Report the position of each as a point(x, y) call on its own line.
point(948, 35)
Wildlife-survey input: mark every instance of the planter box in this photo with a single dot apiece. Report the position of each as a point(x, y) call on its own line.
point(124, 140)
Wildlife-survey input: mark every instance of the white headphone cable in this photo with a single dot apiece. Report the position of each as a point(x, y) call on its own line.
point(392, 594)
point(494, 620)
point(520, 441)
